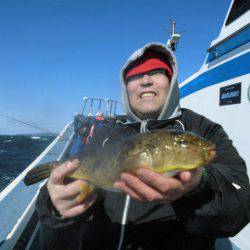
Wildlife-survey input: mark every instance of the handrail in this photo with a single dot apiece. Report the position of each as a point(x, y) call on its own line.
point(89, 104)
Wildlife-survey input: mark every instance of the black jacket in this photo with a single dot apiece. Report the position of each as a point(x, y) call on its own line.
point(215, 209)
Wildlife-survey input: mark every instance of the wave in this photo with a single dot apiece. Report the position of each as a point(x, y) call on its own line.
point(17, 152)
point(7, 178)
point(35, 137)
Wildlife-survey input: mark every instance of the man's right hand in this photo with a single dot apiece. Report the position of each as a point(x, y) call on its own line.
point(67, 198)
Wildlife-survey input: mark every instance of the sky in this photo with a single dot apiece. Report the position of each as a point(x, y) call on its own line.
point(53, 53)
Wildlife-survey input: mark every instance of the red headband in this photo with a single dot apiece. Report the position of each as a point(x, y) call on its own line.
point(150, 60)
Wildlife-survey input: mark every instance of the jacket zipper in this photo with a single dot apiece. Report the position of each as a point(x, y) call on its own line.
point(144, 126)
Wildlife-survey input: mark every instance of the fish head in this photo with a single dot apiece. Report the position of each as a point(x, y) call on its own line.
point(178, 151)
point(197, 147)
point(164, 151)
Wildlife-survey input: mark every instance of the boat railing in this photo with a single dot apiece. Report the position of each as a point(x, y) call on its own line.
point(93, 106)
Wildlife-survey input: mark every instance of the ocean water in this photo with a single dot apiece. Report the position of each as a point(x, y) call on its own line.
point(17, 152)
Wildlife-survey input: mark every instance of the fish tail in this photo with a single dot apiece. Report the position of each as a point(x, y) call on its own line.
point(40, 172)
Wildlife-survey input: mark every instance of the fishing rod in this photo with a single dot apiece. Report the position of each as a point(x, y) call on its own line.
point(28, 124)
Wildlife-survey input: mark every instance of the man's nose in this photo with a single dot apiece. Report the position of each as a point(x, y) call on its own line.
point(146, 81)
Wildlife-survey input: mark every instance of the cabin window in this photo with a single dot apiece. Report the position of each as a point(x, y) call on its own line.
point(239, 7)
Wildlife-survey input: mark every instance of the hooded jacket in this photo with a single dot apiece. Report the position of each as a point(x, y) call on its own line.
point(171, 108)
point(216, 208)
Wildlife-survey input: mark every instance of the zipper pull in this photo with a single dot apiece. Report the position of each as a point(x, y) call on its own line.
point(144, 125)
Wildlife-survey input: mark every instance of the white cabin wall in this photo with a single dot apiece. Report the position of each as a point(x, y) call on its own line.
point(235, 118)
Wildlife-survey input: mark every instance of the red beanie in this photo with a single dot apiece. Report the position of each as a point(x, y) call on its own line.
point(149, 61)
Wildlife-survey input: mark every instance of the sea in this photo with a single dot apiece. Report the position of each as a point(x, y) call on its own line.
point(17, 152)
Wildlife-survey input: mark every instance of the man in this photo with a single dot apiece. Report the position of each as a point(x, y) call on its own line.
point(188, 211)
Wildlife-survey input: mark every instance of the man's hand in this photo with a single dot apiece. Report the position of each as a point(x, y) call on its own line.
point(150, 186)
point(69, 199)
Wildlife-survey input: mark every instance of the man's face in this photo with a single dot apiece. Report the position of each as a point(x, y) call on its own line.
point(147, 93)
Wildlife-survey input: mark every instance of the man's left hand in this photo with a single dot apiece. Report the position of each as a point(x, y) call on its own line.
point(150, 186)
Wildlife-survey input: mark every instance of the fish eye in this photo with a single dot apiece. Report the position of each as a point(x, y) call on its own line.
point(181, 143)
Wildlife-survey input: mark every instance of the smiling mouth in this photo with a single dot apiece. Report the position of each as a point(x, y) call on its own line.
point(147, 94)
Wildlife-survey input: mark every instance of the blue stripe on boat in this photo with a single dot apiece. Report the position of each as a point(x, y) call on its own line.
point(229, 70)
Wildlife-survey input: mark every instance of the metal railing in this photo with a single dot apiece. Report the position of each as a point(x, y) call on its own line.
point(102, 107)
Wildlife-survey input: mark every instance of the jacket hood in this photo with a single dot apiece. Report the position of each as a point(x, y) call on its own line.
point(171, 108)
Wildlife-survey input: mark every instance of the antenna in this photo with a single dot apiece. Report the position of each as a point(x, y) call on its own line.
point(175, 37)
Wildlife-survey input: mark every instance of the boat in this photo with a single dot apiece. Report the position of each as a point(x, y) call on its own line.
point(18, 219)
point(220, 90)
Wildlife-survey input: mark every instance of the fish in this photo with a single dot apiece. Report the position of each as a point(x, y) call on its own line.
point(163, 151)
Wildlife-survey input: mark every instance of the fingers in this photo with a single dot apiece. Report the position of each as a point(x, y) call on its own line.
point(150, 186)
point(137, 189)
point(57, 176)
point(123, 187)
point(185, 176)
point(69, 198)
point(191, 179)
point(78, 190)
point(80, 208)
point(85, 192)
point(159, 182)
point(74, 189)
point(65, 196)
point(74, 211)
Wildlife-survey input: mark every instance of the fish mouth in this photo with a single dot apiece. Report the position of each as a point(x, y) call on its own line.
point(212, 153)
point(211, 147)
point(210, 156)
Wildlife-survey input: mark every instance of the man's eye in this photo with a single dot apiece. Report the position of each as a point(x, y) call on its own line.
point(156, 72)
point(133, 78)
point(156, 75)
